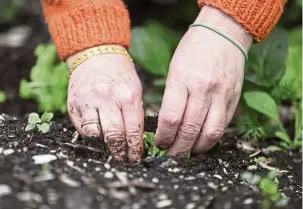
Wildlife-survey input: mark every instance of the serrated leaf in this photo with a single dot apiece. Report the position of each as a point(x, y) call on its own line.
point(29, 127)
point(44, 127)
point(47, 117)
point(266, 63)
point(263, 103)
point(272, 174)
point(34, 119)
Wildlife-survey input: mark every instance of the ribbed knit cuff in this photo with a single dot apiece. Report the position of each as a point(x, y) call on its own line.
point(257, 16)
point(76, 25)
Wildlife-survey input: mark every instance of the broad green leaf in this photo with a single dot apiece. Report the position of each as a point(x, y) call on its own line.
point(29, 127)
point(2, 96)
point(47, 117)
point(44, 127)
point(34, 119)
point(283, 136)
point(260, 159)
point(268, 187)
point(263, 103)
point(295, 37)
point(152, 47)
point(266, 63)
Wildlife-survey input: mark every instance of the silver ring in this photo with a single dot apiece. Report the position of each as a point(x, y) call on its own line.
point(89, 122)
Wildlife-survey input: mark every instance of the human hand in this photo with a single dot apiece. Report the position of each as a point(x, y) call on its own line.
point(203, 86)
point(106, 89)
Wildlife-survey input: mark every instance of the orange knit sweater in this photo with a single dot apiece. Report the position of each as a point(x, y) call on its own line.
point(76, 25)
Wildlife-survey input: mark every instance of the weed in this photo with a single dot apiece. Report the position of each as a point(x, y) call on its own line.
point(41, 124)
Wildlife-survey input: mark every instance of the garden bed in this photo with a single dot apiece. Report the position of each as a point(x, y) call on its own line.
point(82, 178)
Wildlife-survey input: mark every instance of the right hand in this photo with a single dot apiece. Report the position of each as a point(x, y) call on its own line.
point(107, 89)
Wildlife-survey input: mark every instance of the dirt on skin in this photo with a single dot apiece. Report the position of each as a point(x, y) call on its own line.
point(82, 175)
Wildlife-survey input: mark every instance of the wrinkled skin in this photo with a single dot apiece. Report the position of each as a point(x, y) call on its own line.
point(203, 87)
point(107, 89)
point(201, 95)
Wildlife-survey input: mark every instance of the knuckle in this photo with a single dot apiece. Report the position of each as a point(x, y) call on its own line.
point(115, 142)
point(214, 133)
point(169, 118)
point(130, 96)
point(91, 131)
point(189, 131)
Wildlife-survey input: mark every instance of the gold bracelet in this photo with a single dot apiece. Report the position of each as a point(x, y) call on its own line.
point(99, 50)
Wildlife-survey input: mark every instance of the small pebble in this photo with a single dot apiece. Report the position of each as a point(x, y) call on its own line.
point(42, 159)
point(248, 201)
point(108, 175)
point(202, 174)
point(8, 151)
point(168, 163)
point(97, 169)
point(155, 180)
point(224, 189)
point(190, 178)
point(164, 203)
point(107, 166)
point(84, 165)
point(212, 185)
point(230, 182)
point(190, 206)
point(5, 190)
point(218, 176)
point(29, 197)
point(69, 181)
point(176, 186)
point(174, 170)
point(162, 196)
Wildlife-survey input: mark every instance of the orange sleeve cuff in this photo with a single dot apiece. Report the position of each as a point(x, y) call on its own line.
point(76, 25)
point(257, 16)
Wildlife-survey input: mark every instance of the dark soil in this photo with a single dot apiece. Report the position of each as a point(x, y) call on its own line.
point(85, 179)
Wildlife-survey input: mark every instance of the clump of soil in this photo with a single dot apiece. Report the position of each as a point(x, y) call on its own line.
point(83, 175)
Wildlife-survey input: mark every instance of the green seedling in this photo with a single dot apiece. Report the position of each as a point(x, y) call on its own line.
point(150, 147)
point(269, 186)
point(2, 96)
point(41, 124)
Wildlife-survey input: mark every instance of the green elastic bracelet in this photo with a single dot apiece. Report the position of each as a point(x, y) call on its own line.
point(223, 35)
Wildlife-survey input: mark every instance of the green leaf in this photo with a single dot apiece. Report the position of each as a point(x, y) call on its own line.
point(34, 119)
point(268, 186)
point(284, 137)
point(29, 127)
point(2, 96)
point(152, 47)
point(47, 117)
point(44, 127)
point(249, 177)
point(266, 63)
point(263, 103)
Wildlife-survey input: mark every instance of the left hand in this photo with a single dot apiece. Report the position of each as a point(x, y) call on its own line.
point(204, 85)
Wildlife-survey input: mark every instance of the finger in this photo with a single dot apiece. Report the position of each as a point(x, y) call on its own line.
point(74, 116)
point(90, 114)
point(171, 113)
point(133, 116)
point(190, 128)
point(113, 130)
point(213, 127)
